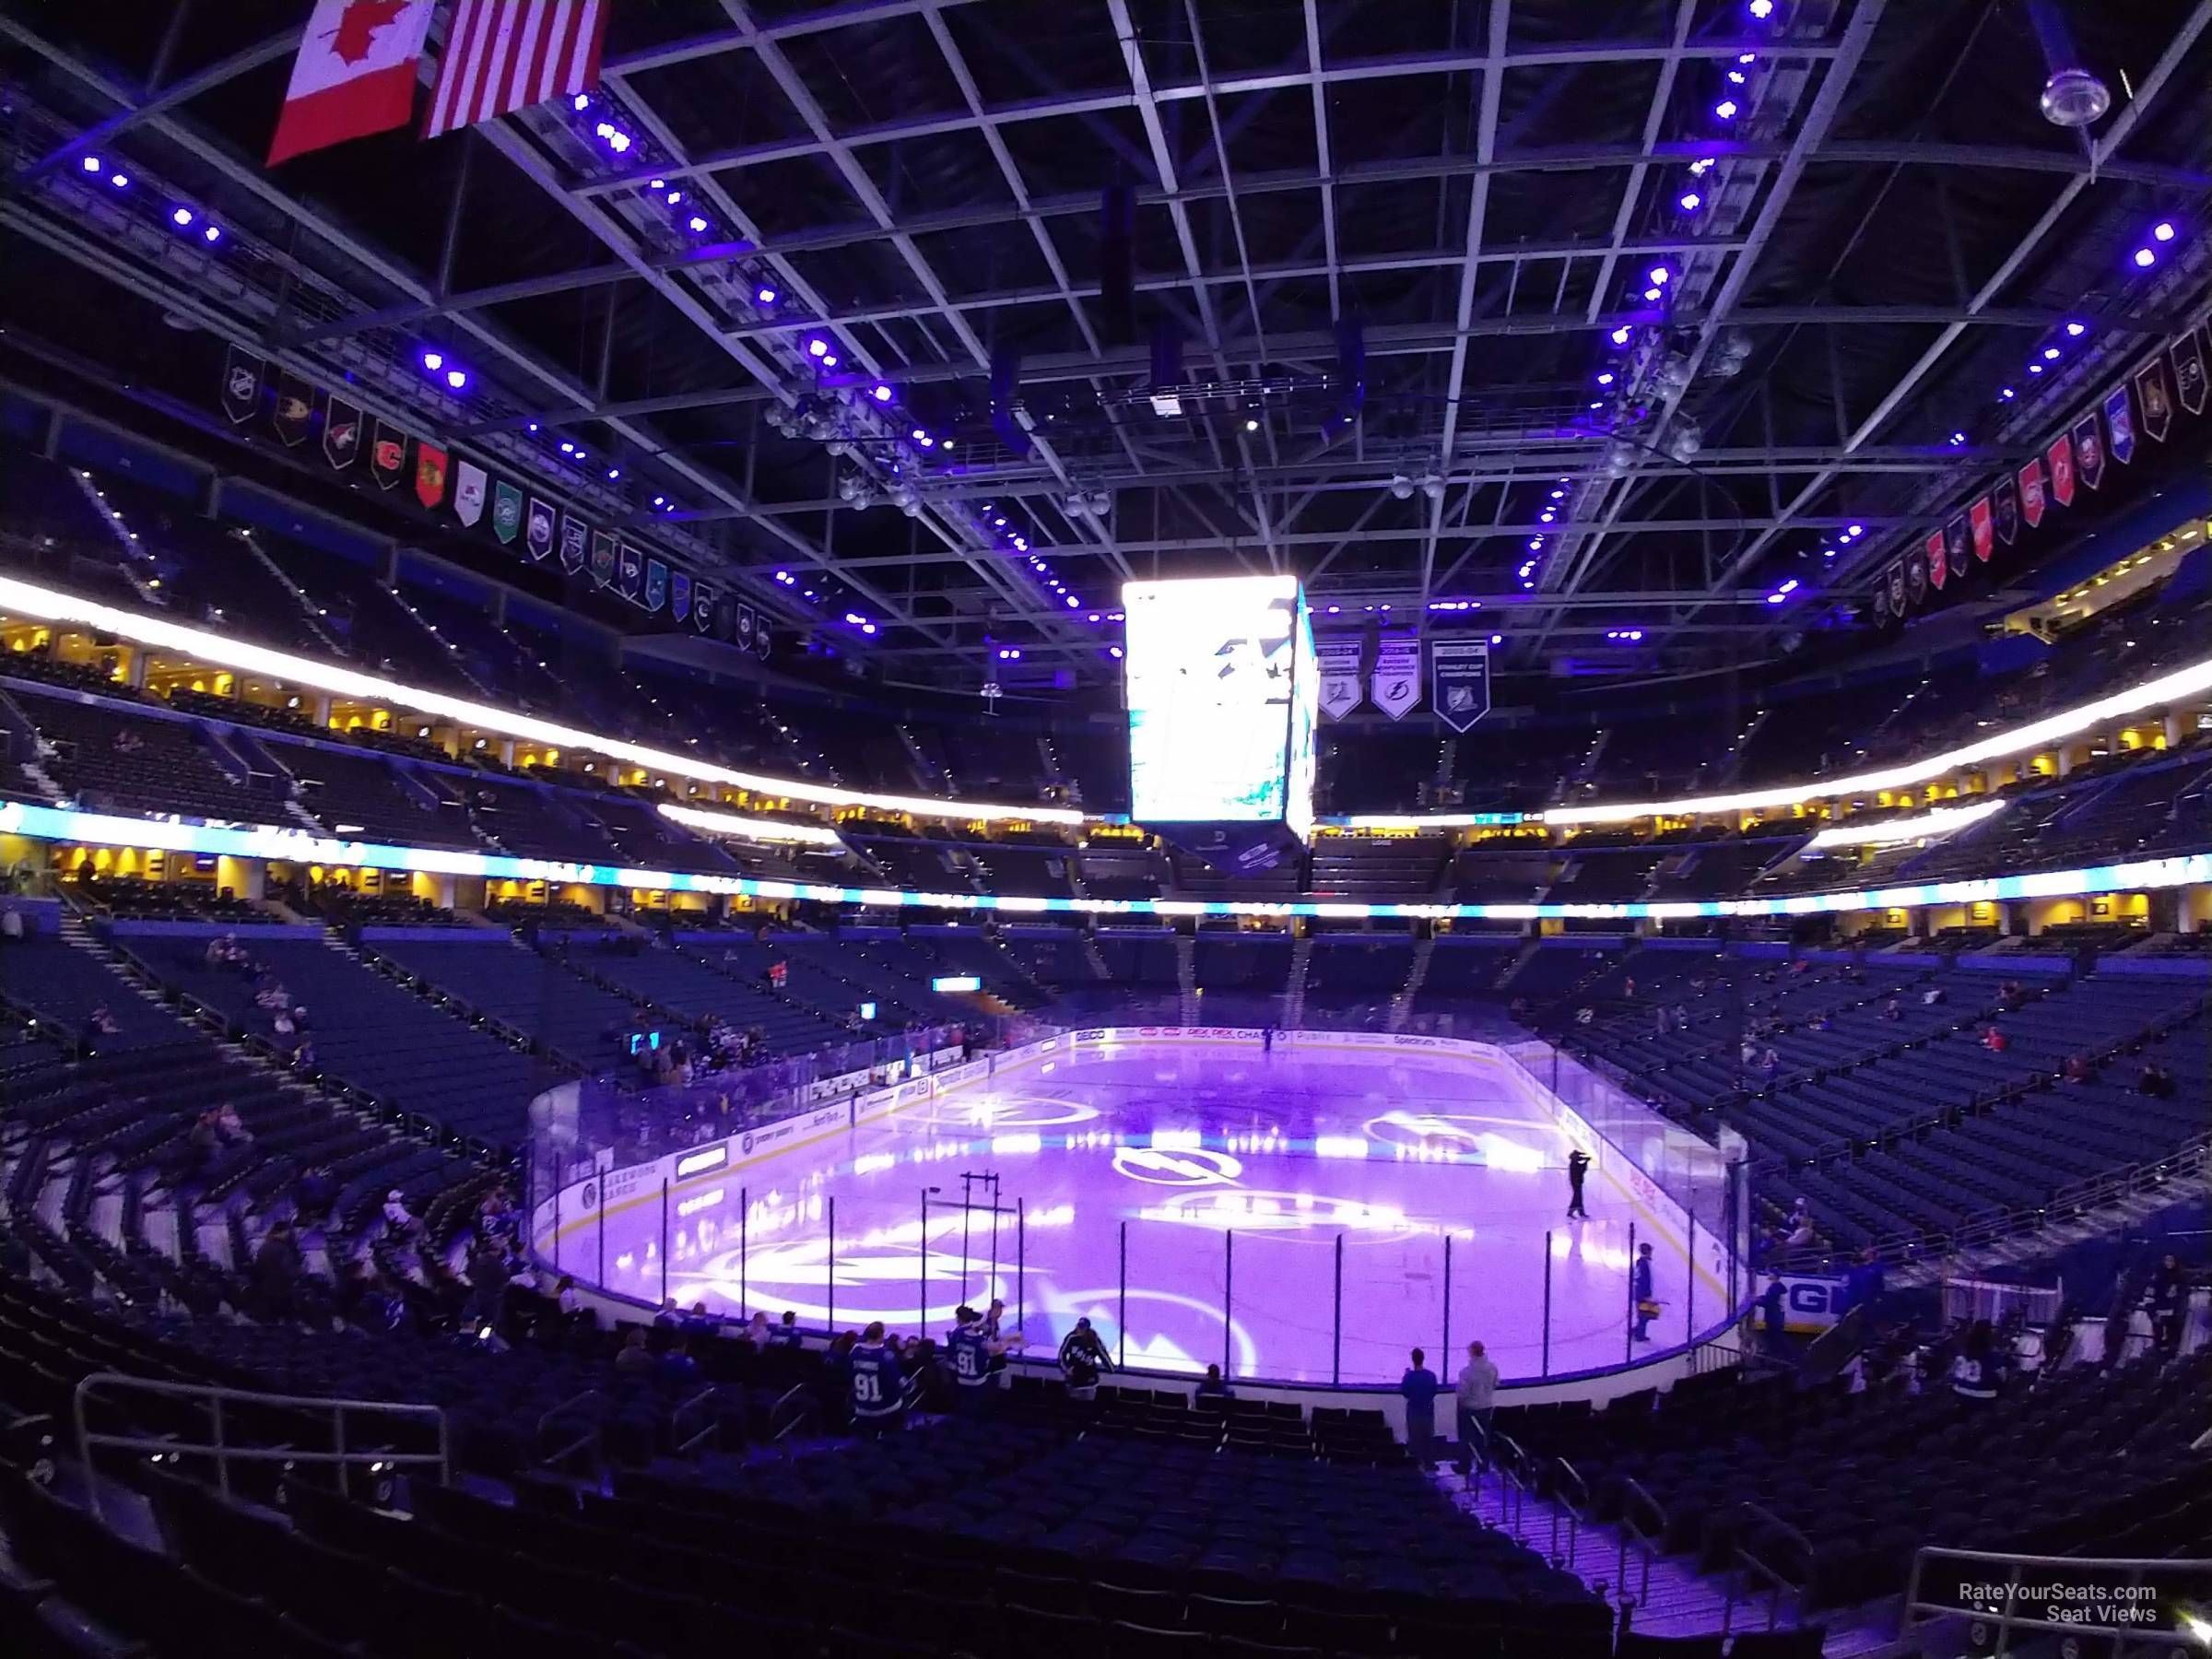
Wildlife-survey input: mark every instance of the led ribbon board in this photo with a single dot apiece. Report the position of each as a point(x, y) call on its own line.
point(266, 842)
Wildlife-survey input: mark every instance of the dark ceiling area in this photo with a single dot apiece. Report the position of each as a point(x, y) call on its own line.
point(1592, 323)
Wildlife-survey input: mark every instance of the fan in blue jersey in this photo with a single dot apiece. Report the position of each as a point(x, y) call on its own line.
point(878, 1383)
point(1082, 1357)
point(973, 1347)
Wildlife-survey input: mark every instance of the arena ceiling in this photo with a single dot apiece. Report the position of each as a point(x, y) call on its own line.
point(1709, 282)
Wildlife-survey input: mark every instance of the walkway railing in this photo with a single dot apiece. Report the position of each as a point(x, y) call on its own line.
point(1767, 1577)
point(224, 1404)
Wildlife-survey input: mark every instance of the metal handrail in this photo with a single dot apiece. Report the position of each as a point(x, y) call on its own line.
point(1511, 1464)
point(223, 1452)
point(1567, 1483)
point(589, 1438)
point(1777, 1584)
point(798, 1391)
point(2073, 1569)
point(1647, 1545)
point(697, 1402)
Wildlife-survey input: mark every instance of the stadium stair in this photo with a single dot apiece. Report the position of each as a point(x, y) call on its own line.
point(1294, 988)
point(1401, 1005)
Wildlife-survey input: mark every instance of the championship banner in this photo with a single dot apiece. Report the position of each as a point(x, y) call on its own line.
point(429, 474)
point(656, 584)
point(2188, 372)
point(387, 454)
point(1336, 657)
point(630, 572)
point(1984, 524)
point(743, 626)
point(468, 493)
point(762, 636)
point(341, 433)
point(2154, 394)
point(1459, 680)
point(679, 596)
point(1881, 605)
point(1938, 568)
point(2120, 418)
point(703, 603)
point(1916, 578)
point(1395, 684)
point(295, 409)
point(2032, 493)
point(573, 535)
point(2061, 457)
point(2089, 451)
point(506, 512)
point(603, 560)
point(242, 372)
point(2008, 509)
point(538, 530)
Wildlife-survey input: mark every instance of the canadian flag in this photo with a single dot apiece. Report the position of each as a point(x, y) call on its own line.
point(355, 73)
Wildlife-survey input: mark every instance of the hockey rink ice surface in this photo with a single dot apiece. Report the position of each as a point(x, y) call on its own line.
point(1393, 1153)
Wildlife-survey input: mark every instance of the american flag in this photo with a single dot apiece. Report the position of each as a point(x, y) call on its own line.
point(508, 54)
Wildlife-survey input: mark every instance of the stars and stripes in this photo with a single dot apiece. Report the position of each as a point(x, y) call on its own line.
point(508, 54)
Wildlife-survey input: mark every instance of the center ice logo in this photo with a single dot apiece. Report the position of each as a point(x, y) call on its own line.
point(1181, 1167)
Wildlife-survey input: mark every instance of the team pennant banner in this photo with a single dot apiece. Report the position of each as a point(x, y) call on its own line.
point(2006, 506)
point(2154, 396)
point(742, 625)
point(1896, 587)
point(630, 572)
point(1395, 684)
point(704, 604)
point(2032, 492)
point(763, 636)
point(2061, 457)
point(387, 455)
point(341, 433)
point(295, 409)
point(538, 530)
point(1938, 571)
point(469, 484)
point(573, 535)
point(2089, 451)
point(506, 512)
point(429, 474)
point(1336, 657)
point(656, 584)
point(242, 374)
point(2188, 372)
point(1916, 578)
point(1955, 538)
point(2118, 418)
point(1459, 681)
point(679, 596)
point(603, 560)
point(1983, 523)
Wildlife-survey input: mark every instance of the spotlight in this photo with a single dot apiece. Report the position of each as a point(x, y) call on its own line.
point(1958, 438)
point(882, 392)
point(613, 473)
point(1725, 109)
point(1606, 379)
point(817, 347)
point(619, 143)
point(1761, 9)
point(2146, 258)
point(828, 359)
point(1652, 294)
point(1619, 336)
point(582, 102)
point(212, 233)
point(919, 436)
point(1692, 201)
point(1252, 426)
point(121, 181)
point(764, 295)
point(2075, 330)
point(92, 164)
point(2035, 367)
point(433, 360)
point(676, 199)
point(2005, 393)
point(457, 379)
point(697, 224)
point(566, 448)
point(179, 217)
point(2162, 230)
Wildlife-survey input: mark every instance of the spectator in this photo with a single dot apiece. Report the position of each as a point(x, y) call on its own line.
point(757, 1331)
point(676, 1365)
point(1211, 1388)
point(1476, 1405)
point(2078, 1069)
point(634, 1359)
point(1975, 1372)
point(566, 1299)
point(1894, 1009)
point(488, 1286)
point(1082, 1357)
point(1640, 1287)
point(787, 1334)
point(1419, 1388)
point(2169, 1305)
point(878, 1383)
point(1865, 1284)
point(398, 1222)
point(2156, 1081)
point(1995, 1040)
point(317, 1192)
point(276, 1273)
point(1774, 1313)
point(1802, 1234)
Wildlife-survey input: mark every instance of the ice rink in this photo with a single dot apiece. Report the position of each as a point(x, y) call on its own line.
point(1198, 1204)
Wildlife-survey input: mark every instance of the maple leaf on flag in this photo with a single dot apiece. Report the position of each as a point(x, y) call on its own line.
point(356, 33)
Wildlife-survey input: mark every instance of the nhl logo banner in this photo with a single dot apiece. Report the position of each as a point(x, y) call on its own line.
point(656, 584)
point(2032, 493)
point(2006, 506)
point(341, 433)
point(429, 474)
point(2119, 416)
point(703, 601)
point(468, 493)
point(387, 455)
point(2156, 397)
point(1978, 518)
point(1459, 681)
point(2188, 372)
point(295, 408)
point(1938, 571)
point(745, 621)
point(573, 534)
point(538, 530)
point(1395, 684)
point(2089, 451)
point(242, 384)
point(679, 596)
point(506, 512)
point(630, 572)
point(603, 561)
point(2061, 457)
point(1337, 659)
